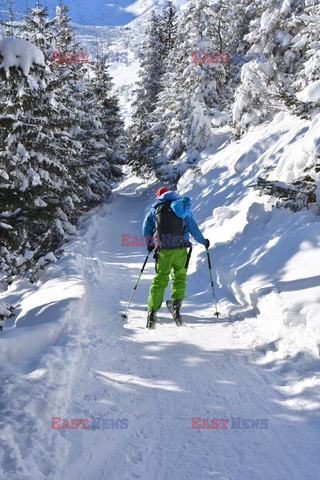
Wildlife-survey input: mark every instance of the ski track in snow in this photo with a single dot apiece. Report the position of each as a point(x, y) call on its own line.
point(158, 380)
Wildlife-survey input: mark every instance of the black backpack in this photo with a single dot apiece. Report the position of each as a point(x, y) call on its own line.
point(169, 227)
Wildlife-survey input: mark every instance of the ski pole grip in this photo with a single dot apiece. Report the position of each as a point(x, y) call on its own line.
point(188, 258)
point(144, 264)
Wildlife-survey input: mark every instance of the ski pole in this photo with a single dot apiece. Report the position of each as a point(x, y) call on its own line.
point(124, 315)
point(188, 258)
point(212, 284)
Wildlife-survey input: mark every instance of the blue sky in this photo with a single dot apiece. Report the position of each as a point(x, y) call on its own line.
point(84, 12)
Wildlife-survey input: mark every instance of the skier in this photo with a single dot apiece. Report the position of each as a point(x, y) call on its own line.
point(167, 226)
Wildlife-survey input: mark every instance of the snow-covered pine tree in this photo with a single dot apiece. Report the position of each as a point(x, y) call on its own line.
point(301, 97)
point(37, 28)
point(168, 28)
point(194, 89)
point(266, 82)
point(47, 177)
point(91, 127)
point(10, 24)
point(101, 134)
point(64, 38)
point(237, 20)
point(64, 93)
point(34, 183)
point(307, 45)
point(68, 85)
point(108, 112)
point(67, 57)
point(147, 91)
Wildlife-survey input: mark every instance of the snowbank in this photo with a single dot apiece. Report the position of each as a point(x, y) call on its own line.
point(265, 258)
point(19, 53)
point(311, 93)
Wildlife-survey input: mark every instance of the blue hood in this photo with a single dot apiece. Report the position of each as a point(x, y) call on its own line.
point(181, 207)
point(165, 197)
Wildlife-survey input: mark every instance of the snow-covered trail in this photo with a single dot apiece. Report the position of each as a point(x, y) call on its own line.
point(158, 380)
point(67, 354)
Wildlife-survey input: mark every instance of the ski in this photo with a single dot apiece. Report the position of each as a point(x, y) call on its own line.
point(178, 321)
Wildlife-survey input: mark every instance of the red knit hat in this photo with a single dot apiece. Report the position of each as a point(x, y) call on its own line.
point(161, 190)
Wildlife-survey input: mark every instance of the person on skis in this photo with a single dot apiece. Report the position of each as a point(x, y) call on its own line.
point(167, 227)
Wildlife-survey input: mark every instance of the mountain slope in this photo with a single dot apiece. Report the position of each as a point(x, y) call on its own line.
point(97, 12)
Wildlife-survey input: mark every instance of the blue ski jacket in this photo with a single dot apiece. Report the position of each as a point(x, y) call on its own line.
point(181, 207)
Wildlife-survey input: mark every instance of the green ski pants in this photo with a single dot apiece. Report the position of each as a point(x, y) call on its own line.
point(173, 259)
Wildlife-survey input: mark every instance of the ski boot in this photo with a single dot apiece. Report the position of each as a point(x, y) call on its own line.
point(151, 321)
point(176, 305)
point(174, 308)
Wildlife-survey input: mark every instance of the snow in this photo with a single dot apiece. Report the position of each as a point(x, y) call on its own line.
point(125, 76)
point(5, 226)
point(139, 7)
point(68, 354)
point(311, 93)
point(20, 54)
point(318, 193)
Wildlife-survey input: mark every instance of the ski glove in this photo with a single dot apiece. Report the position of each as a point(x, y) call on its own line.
point(150, 247)
point(207, 244)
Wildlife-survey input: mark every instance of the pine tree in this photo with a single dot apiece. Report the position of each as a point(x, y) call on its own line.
point(10, 23)
point(147, 91)
point(237, 20)
point(91, 119)
point(108, 111)
point(64, 37)
point(306, 46)
point(168, 28)
point(61, 143)
point(38, 28)
point(101, 134)
point(266, 85)
point(193, 91)
point(33, 181)
point(67, 85)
